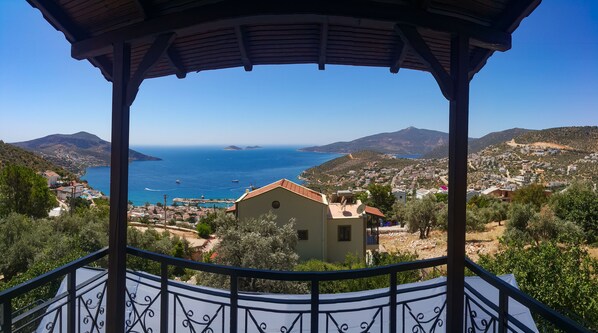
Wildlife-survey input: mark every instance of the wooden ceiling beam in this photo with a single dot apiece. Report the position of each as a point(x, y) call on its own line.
point(151, 57)
point(243, 48)
point(411, 37)
point(227, 14)
point(175, 62)
point(323, 46)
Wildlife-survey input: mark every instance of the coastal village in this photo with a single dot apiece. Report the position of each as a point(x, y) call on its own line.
point(497, 170)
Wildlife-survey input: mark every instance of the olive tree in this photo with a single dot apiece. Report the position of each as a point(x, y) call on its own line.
point(25, 192)
point(421, 215)
point(254, 243)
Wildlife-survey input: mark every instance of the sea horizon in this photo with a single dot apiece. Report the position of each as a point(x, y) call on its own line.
point(207, 170)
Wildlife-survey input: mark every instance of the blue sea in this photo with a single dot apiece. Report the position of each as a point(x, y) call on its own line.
point(206, 171)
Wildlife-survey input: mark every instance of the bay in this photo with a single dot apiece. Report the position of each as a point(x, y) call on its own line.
point(206, 171)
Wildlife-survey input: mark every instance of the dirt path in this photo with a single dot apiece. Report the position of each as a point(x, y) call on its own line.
point(477, 243)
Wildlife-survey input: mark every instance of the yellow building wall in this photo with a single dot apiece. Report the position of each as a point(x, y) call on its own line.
point(337, 251)
point(309, 215)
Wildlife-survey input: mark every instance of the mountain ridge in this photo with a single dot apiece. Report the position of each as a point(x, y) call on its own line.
point(477, 144)
point(408, 141)
point(76, 152)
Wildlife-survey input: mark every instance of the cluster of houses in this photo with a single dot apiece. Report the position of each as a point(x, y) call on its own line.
point(65, 191)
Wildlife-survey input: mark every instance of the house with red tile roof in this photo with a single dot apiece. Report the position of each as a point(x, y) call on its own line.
point(327, 229)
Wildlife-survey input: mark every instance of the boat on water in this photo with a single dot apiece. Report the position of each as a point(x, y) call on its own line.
point(235, 180)
point(178, 181)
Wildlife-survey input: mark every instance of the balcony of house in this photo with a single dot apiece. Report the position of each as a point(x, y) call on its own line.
point(76, 300)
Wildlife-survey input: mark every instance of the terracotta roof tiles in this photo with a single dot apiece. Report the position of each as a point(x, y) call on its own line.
point(373, 211)
point(290, 186)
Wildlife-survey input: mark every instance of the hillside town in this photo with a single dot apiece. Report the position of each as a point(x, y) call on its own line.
point(496, 170)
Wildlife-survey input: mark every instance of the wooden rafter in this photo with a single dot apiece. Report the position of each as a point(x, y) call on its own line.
point(151, 57)
point(142, 8)
point(506, 22)
point(176, 63)
point(243, 48)
point(400, 57)
point(411, 37)
point(249, 12)
point(323, 46)
point(61, 22)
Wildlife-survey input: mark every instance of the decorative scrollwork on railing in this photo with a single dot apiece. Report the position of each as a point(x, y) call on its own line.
point(421, 322)
point(191, 323)
point(262, 326)
point(472, 324)
point(91, 310)
point(57, 320)
point(344, 327)
point(140, 317)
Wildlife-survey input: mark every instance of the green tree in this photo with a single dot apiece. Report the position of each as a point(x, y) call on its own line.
point(526, 225)
point(533, 194)
point(17, 245)
point(352, 262)
point(564, 278)
point(204, 230)
point(579, 204)
point(421, 215)
point(209, 218)
point(381, 197)
point(254, 243)
point(23, 191)
point(399, 212)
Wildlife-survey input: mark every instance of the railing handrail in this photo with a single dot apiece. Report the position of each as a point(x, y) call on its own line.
point(531, 303)
point(287, 275)
point(40, 280)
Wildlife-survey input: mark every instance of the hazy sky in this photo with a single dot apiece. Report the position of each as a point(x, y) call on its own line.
point(548, 79)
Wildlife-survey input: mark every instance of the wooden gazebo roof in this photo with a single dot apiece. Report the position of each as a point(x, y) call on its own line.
point(213, 34)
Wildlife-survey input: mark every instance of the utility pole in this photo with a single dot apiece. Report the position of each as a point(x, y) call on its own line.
point(73, 184)
point(165, 196)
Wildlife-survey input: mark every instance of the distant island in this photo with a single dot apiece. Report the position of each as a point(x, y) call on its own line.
point(239, 148)
point(77, 152)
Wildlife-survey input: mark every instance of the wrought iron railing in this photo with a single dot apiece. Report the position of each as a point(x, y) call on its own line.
point(80, 306)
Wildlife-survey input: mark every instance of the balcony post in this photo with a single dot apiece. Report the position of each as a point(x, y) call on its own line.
point(119, 186)
point(164, 311)
point(71, 319)
point(393, 302)
point(503, 311)
point(6, 318)
point(458, 134)
point(234, 303)
point(315, 305)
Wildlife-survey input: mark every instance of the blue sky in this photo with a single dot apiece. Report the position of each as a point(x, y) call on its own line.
point(548, 79)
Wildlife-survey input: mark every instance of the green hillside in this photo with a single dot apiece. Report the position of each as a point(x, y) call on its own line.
point(582, 138)
point(10, 154)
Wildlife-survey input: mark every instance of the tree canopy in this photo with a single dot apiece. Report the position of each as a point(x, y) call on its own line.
point(380, 197)
point(25, 192)
point(421, 215)
point(579, 204)
point(533, 194)
point(254, 243)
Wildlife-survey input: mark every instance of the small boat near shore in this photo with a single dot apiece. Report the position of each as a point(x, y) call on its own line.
point(235, 180)
point(178, 181)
